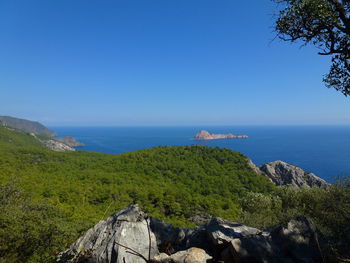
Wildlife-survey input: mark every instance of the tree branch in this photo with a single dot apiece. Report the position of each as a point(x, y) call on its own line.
point(339, 7)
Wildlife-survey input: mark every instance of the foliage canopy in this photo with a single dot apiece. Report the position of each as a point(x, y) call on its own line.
point(324, 24)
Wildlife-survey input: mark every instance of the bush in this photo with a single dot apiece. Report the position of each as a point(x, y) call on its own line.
point(29, 231)
point(328, 208)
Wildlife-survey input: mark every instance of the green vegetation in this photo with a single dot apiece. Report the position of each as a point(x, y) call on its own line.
point(324, 24)
point(329, 208)
point(81, 188)
point(26, 125)
point(47, 198)
point(30, 231)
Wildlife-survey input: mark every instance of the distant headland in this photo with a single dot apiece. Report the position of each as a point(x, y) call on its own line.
point(205, 135)
point(46, 136)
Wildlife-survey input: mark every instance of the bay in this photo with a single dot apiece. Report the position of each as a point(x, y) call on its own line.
point(323, 150)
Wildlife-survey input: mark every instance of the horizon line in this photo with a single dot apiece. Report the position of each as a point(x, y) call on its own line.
point(185, 125)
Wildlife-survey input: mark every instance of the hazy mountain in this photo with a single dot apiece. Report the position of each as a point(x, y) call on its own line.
point(26, 125)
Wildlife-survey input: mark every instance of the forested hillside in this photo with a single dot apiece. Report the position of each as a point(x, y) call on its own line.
point(47, 198)
point(172, 182)
point(26, 125)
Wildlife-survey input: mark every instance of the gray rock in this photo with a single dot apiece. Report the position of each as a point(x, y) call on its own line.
point(253, 166)
point(282, 173)
point(298, 240)
point(216, 241)
point(191, 255)
point(104, 243)
point(222, 231)
point(70, 141)
point(57, 146)
point(169, 238)
point(295, 242)
point(257, 249)
point(209, 236)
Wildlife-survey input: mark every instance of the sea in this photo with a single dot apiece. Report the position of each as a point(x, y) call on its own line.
point(322, 150)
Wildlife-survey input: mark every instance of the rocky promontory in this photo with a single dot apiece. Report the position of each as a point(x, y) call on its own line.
point(61, 144)
point(130, 236)
point(41, 133)
point(26, 125)
point(70, 141)
point(57, 146)
point(282, 173)
point(205, 135)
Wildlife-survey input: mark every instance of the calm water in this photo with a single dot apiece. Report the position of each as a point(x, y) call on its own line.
point(323, 150)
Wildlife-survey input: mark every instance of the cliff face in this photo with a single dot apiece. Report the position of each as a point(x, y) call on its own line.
point(282, 173)
point(26, 125)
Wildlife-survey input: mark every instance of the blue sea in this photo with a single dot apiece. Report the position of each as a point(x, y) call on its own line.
point(323, 150)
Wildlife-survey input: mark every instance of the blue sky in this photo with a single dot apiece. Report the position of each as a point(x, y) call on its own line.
point(158, 62)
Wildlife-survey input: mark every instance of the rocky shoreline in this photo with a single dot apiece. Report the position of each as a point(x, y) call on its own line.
point(70, 141)
point(57, 146)
point(62, 144)
point(205, 135)
point(46, 136)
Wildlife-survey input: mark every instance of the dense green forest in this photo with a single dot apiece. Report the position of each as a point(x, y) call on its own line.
point(47, 199)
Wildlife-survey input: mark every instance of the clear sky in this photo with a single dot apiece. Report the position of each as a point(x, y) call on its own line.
point(158, 62)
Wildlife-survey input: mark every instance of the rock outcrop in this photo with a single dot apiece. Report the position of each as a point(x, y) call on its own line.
point(41, 133)
point(254, 167)
point(295, 242)
point(191, 255)
point(65, 144)
point(205, 135)
point(107, 241)
point(57, 146)
point(282, 173)
point(70, 141)
point(125, 234)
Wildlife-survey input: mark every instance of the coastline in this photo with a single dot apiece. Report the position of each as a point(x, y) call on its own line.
point(309, 147)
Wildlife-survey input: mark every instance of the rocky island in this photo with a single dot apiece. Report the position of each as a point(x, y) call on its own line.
point(205, 135)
